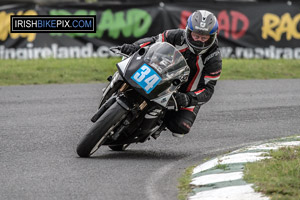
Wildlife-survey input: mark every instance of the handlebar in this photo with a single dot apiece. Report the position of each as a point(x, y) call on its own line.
point(117, 50)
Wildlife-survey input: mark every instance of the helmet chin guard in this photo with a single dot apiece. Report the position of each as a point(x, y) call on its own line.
point(204, 23)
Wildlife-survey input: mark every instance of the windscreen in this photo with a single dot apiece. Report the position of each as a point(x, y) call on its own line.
point(166, 59)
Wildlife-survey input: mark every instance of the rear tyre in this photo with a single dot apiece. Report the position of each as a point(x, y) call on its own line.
point(99, 132)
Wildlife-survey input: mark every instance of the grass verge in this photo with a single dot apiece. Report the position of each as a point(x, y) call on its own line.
point(47, 71)
point(277, 177)
point(86, 70)
point(237, 69)
point(184, 183)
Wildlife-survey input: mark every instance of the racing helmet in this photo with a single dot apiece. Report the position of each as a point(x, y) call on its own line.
point(204, 23)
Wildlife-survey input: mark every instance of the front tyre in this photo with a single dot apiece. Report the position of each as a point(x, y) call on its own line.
point(99, 132)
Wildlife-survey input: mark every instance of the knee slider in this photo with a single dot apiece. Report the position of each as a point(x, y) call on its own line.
point(182, 127)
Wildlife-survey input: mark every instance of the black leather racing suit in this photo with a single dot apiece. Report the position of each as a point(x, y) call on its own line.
point(205, 70)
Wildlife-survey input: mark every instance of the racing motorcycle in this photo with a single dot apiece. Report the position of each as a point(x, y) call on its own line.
point(135, 101)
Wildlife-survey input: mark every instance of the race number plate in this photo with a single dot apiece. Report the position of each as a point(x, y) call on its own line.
point(146, 77)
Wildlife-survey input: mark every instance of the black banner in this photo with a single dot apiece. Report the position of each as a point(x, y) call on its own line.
point(246, 30)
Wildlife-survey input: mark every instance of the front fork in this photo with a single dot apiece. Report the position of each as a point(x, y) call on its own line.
point(121, 100)
point(115, 83)
point(151, 122)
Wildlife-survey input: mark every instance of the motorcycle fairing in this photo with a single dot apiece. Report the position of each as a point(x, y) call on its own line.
point(146, 77)
point(122, 66)
point(163, 59)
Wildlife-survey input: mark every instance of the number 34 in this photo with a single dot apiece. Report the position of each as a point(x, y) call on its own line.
point(142, 76)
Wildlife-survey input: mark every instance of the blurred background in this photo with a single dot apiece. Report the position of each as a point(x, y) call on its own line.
point(247, 28)
point(149, 1)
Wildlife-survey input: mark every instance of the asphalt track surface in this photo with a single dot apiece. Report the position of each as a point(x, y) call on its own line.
point(40, 127)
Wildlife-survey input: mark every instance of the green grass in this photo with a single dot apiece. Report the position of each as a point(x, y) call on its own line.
point(234, 69)
point(222, 166)
point(47, 71)
point(184, 183)
point(278, 177)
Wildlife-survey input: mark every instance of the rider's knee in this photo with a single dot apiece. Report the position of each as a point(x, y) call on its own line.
point(182, 126)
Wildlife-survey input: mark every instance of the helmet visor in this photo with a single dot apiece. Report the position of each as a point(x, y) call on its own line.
point(197, 44)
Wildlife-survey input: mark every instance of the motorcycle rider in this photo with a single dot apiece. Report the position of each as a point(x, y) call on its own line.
point(199, 45)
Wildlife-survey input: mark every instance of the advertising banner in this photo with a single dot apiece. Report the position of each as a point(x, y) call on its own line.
point(246, 30)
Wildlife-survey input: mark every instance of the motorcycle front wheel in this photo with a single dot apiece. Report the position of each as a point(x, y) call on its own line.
point(99, 132)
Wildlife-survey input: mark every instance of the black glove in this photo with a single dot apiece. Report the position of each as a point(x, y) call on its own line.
point(129, 49)
point(182, 99)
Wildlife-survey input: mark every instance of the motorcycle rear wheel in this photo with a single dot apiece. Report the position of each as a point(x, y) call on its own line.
point(99, 132)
